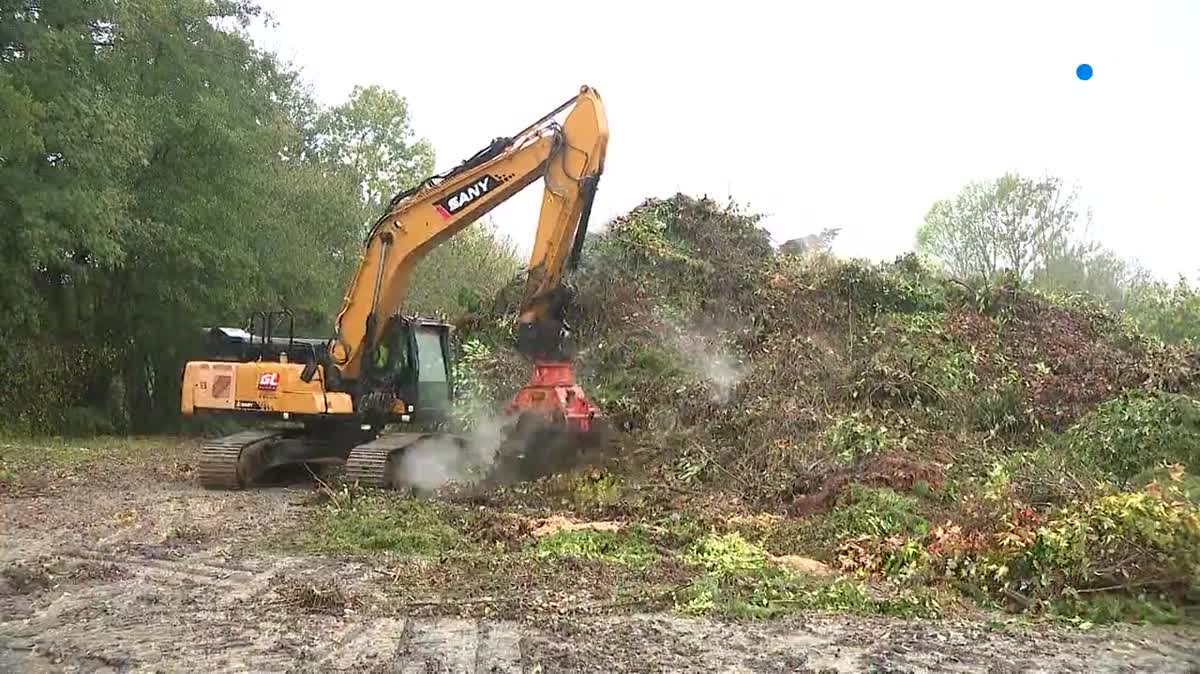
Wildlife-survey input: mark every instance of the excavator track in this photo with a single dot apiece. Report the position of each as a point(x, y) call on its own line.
point(368, 463)
point(221, 458)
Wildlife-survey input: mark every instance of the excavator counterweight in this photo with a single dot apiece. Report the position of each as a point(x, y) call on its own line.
point(382, 367)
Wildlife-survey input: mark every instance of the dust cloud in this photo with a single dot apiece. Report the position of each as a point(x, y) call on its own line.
point(439, 460)
point(704, 355)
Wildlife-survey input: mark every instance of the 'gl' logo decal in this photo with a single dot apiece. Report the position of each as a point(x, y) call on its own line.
point(268, 381)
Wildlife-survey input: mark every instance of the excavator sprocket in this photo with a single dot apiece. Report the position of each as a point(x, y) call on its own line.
point(221, 459)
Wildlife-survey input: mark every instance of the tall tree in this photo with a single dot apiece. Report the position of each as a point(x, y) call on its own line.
point(1013, 223)
point(1170, 312)
point(155, 176)
point(1087, 267)
point(372, 135)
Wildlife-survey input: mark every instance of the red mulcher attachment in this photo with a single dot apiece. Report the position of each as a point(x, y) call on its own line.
point(556, 427)
point(554, 392)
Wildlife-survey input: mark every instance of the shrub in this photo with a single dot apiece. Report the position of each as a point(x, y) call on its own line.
point(56, 387)
point(1128, 543)
point(475, 393)
point(1046, 476)
point(1137, 431)
point(1169, 312)
point(901, 286)
point(1001, 408)
point(1149, 539)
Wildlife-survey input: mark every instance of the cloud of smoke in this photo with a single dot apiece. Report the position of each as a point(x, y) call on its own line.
point(723, 374)
point(442, 459)
point(706, 357)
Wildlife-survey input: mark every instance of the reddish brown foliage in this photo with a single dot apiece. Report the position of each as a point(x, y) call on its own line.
point(896, 471)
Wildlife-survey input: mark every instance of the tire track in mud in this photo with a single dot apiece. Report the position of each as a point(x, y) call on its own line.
point(199, 613)
point(235, 582)
point(135, 596)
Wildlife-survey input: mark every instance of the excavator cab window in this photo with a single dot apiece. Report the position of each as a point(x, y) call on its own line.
point(391, 356)
point(432, 345)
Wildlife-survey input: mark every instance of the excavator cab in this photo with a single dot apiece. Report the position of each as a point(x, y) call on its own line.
point(410, 368)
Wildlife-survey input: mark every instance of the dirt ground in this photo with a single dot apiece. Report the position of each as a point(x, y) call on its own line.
point(113, 568)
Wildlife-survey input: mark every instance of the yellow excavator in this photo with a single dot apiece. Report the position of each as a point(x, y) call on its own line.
point(383, 368)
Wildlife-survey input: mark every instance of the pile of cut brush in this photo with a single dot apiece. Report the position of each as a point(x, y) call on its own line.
point(992, 415)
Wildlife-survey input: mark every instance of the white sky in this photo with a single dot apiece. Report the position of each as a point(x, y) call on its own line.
point(836, 114)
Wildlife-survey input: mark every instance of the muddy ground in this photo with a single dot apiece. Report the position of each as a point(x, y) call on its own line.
point(131, 566)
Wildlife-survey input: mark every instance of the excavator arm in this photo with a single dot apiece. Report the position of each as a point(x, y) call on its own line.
point(568, 156)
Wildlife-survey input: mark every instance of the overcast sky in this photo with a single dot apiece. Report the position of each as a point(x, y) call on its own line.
point(835, 114)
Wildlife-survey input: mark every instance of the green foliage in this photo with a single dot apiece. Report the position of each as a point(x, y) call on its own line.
point(1143, 545)
point(876, 511)
point(644, 233)
point(1186, 485)
point(1130, 540)
point(1089, 270)
point(453, 278)
point(846, 596)
point(1000, 407)
point(995, 296)
point(158, 174)
point(917, 364)
point(1115, 324)
point(741, 581)
point(784, 536)
point(667, 247)
point(738, 579)
point(855, 437)
point(383, 523)
point(778, 594)
point(475, 393)
point(633, 378)
point(1029, 230)
point(596, 490)
point(371, 135)
point(45, 383)
point(1169, 312)
point(869, 290)
point(163, 184)
point(617, 547)
point(1106, 609)
point(726, 554)
point(700, 596)
point(1042, 476)
point(1138, 430)
point(845, 363)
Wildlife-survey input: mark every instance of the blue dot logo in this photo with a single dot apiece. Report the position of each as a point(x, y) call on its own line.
point(1084, 71)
